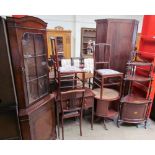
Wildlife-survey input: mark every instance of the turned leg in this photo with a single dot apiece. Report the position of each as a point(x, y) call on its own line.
point(104, 124)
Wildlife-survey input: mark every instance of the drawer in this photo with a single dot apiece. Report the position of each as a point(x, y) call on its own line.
point(88, 102)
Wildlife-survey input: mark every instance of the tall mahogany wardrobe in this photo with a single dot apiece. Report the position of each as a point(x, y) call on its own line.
point(121, 35)
point(27, 110)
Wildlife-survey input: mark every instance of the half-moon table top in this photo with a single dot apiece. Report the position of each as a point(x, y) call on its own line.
point(107, 94)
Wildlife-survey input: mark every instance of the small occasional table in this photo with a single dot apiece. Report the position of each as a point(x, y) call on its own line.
point(107, 80)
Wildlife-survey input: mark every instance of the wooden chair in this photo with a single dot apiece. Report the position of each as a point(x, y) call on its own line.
point(107, 83)
point(54, 56)
point(65, 79)
point(71, 103)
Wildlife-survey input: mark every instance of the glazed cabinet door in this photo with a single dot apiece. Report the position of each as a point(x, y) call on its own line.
point(35, 66)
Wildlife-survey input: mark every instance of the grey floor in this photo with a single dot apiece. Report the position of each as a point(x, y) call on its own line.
point(125, 132)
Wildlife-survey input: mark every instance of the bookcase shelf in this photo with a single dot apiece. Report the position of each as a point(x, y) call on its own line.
point(87, 34)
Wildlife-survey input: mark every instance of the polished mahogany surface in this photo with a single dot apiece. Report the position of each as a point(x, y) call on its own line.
point(9, 124)
point(28, 49)
point(121, 35)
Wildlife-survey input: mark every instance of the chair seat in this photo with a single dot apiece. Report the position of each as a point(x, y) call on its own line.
point(107, 94)
point(107, 72)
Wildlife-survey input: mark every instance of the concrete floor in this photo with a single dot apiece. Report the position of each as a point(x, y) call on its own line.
point(125, 132)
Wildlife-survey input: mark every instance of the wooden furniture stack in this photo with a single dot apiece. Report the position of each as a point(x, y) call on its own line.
point(35, 107)
point(87, 34)
point(121, 35)
point(136, 102)
point(63, 39)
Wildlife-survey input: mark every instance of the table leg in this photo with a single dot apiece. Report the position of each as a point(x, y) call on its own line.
point(104, 124)
point(102, 81)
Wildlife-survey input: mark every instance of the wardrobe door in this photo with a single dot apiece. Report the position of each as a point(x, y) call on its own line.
point(9, 124)
point(121, 35)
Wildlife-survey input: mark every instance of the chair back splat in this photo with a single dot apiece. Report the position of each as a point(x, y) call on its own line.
point(71, 103)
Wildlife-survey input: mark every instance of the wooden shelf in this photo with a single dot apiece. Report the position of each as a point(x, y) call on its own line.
point(110, 114)
point(137, 78)
point(87, 34)
point(134, 99)
point(87, 56)
point(139, 63)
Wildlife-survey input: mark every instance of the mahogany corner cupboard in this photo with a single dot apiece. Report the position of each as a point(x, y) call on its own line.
point(28, 50)
point(121, 34)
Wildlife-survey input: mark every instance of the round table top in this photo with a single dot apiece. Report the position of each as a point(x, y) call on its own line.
point(107, 94)
point(87, 75)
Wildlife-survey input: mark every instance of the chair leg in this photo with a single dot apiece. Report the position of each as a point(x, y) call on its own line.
point(92, 118)
point(89, 82)
point(118, 123)
point(145, 126)
point(62, 123)
point(58, 124)
point(81, 124)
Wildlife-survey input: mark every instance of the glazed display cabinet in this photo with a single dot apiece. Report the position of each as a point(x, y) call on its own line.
point(28, 50)
point(63, 40)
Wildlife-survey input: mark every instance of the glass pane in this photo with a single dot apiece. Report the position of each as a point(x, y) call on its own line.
point(39, 44)
point(28, 45)
point(43, 86)
point(30, 68)
point(41, 66)
point(60, 44)
point(32, 88)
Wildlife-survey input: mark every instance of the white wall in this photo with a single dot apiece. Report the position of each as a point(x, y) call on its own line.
point(66, 21)
point(75, 22)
